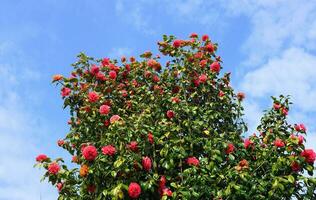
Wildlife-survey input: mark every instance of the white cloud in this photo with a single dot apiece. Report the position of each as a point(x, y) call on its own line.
point(293, 73)
point(276, 24)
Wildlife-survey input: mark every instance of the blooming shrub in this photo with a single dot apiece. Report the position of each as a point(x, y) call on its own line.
point(144, 129)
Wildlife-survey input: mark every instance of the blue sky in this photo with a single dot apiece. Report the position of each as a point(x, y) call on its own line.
point(268, 45)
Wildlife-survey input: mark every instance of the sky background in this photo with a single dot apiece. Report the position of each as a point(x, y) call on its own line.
point(268, 45)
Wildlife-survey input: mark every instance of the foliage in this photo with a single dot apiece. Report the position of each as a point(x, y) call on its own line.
point(147, 130)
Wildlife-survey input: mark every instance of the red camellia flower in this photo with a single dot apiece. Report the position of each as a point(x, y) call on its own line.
point(202, 78)
point(59, 186)
point(177, 43)
point(105, 62)
point(170, 114)
point(167, 192)
point(146, 162)
point(112, 74)
point(90, 153)
point(240, 96)
point(279, 143)
point(156, 78)
point(247, 143)
point(134, 190)
point(300, 127)
point(108, 150)
point(221, 93)
point(150, 138)
point(114, 118)
point(100, 76)
point(93, 97)
point(205, 37)
point(91, 188)
point(175, 99)
point(53, 168)
point(295, 166)
point(193, 35)
point(104, 109)
point(41, 158)
point(133, 145)
point(300, 139)
point(209, 47)
point(193, 161)
point(94, 70)
point(60, 142)
point(215, 67)
point(309, 155)
point(230, 148)
point(65, 91)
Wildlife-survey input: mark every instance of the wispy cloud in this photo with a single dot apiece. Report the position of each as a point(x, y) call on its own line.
point(19, 132)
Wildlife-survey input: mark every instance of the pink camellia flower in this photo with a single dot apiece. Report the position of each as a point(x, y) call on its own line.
point(65, 91)
point(202, 78)
point(150, 138)
point(230, 148)
point(276, 106)
point(41, 158)
point(53, 168)
point(114, 119)
point(60, 142)
point(247, 143)
point(170, 114)
point(133, 145)
point(166, 192)
point(193, 161)
point(203, 63)
point(146, 162)
point(279, 143)
point(134, 190)
point(94, 70)
point(209, 47)
point(215, 67)
point(309, 155)
point(104, 109)
point(59, 186)
point(295, 166)
point(205, 37)
point(93, 97)
point(284, 111)
point(112, 74)
point(177, 43)
point(108, 150)
point(90, 153)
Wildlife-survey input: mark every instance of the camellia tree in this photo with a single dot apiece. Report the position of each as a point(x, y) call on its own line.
point(140, 129)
